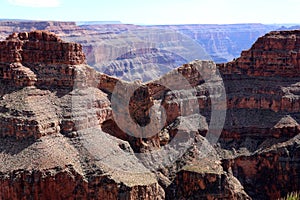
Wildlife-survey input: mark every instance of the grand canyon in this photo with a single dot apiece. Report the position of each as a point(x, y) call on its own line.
point(82, 119)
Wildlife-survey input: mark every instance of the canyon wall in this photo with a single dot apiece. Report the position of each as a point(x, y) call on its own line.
point(174, 46)
point(133, 52)
point(42, 119)
point(223, 42)
point(261, 132)
point(68, 131)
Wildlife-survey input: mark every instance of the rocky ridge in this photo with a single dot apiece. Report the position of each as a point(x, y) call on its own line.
point(126, 50)
point(38, 117)
point(262, 127)
point(61, 136)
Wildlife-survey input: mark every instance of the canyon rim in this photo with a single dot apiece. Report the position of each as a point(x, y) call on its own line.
point(201, 131)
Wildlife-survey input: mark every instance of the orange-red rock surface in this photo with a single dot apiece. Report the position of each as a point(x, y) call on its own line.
point(133, 52)
point(275, 54)
point(261, 132)
point(59, 137)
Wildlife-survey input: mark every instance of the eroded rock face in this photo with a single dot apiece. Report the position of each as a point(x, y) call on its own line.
point(223, 42)
point(50, 101)
point(39, 58)
point(275, 54)
point(34, 61)
point(60, 130)
point(148, 52)
point(271, 172)
point(205, 185)
point(40, 47)
point(261, 129)
point(261, 89)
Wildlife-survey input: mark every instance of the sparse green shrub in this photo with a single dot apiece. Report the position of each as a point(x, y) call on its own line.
point(292, 196)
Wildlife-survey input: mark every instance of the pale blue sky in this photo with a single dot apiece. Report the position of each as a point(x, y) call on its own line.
point(155, 11)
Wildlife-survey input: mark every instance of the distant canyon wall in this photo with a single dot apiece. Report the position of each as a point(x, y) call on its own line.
point(57, 124)
point(144, 53)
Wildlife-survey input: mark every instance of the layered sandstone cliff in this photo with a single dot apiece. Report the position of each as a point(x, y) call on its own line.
point(174, 45)
point(41, 111)
point(223, 42)
point(261, 132)
point(69, 132)
point(133, 52)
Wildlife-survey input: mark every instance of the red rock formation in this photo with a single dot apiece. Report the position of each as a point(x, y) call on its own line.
point(261, 130)
point(271, 172)
point(58, 132)
point(40, 47)
point(28, 55)
point(68, 184)
point(258, 104)
point(275, 54)
point(46, 92)
point(194, 184)
point(38, 59)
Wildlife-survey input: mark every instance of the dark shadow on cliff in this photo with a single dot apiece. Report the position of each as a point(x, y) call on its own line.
point(250, 122)
point(13, 146)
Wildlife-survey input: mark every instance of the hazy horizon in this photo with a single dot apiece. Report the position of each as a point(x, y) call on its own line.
point(167, 12)
point(120, 22)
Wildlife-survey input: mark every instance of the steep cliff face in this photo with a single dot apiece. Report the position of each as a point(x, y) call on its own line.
point(138, 52)
point(133, 52)
point(275, 54)
point(223, 42)
point(68, 131)
point(261, 132)
point(30, 62)
point(260, 84)
point(271, 171)
point(193, 182)
point(174, 44)
point(43, 117)
point(25, 53)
